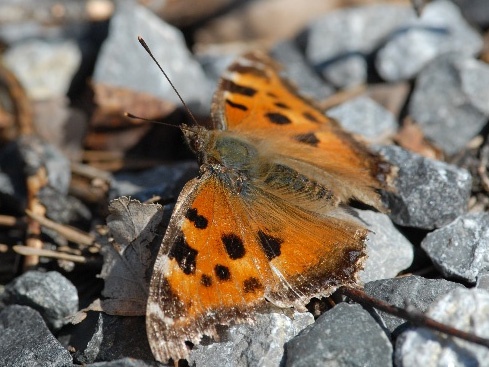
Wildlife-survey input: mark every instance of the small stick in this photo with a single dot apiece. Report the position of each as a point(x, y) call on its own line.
point(71, 234)
point(414, 317)
point(9, 221)
point(29, 251)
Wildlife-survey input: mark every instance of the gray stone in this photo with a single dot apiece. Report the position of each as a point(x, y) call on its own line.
point(464, 309)
point(475, 11)
point(449, 101)
point(123, 62)
point(440, 29)
point(338, 42)
point(389, 252)
point(346, 335)
point(365, 117)
point(25, 156)
point(297, 70)
point(54, 296)
point(260, 344)
point(126, 362)
point(483, 280)
point(25, 340)
point(45, 69)
point(430, 194)
point(109, 338)
point(460, 249)
point(407, 292)
point(214, 65)
point(166, 181)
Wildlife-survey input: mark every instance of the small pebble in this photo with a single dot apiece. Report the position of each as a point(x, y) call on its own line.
point(45, 69)
point(365, 117)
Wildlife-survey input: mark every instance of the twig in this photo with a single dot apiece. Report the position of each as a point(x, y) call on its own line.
point(29, 251)
point(342, 96)
point(90, 172)
point(70, 233)
point(414, 317)
point(34, 184)
point(10, 221)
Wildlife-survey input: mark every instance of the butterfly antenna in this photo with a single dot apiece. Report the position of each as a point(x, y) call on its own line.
point(145, 46)
point(131, 116)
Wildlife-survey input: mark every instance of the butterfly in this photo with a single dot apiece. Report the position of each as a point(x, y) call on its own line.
point(266, 221)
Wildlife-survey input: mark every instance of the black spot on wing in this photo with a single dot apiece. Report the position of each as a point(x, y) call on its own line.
point(310, 117)
point(233, 245)
point(282, 105)
point(271, 245)
point(222, 272)
point(206, 280)
point(251, 285)
point(199, 221)
point(239, 89)
point(309, 139)
point(236, 105)
point(277, 118)
point(184, 255)
point(271, 94)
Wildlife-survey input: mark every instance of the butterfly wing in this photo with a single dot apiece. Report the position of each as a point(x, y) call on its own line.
point(225, 252)
point(253, 100)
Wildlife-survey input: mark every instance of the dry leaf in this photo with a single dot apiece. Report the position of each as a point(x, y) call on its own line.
point(129, 258)
point(412, 138)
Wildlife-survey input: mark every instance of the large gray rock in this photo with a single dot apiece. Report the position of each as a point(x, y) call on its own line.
point(464, 309)
point(449, 101)
point(440, 29)
point(346, 335)
point(338, 42)
point(260, 344)
point(123, 62)
point(54, 296)
point(25, 340)
point(408, 292)
point(430, 194)
point(460, 249)
point(388, 251)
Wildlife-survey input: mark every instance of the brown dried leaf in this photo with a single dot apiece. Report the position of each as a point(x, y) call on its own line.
point(129, 258)
point(114, 101)
point(411, 137)
point(82, 314)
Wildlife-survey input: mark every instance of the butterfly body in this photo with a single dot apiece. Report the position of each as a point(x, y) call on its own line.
point(264, 222)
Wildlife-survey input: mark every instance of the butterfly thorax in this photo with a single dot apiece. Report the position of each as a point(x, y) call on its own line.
point(225, 154)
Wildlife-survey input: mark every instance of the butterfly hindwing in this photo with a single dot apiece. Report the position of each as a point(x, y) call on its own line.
point(225, 253)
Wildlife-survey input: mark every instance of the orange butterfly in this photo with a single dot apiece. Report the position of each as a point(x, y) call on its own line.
point(265, 221)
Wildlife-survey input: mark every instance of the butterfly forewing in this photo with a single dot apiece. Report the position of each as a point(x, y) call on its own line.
point(253, 100)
